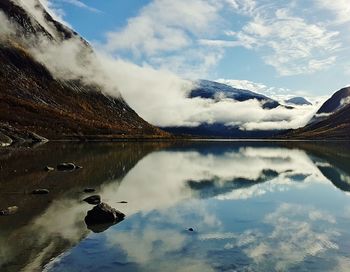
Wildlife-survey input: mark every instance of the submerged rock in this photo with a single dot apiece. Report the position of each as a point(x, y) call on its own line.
point(190, 229)
point(93, 200)
point(49, 168)
point(40, 192)
point(5, 140)
point(103, 215)
point(9, 211)
point(89, 190)
point(66, 166)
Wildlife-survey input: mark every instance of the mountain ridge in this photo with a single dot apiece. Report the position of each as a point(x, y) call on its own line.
point(331, 121)
point(50, 107)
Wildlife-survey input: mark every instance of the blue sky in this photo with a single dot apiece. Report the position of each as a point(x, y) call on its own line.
point(292, 46)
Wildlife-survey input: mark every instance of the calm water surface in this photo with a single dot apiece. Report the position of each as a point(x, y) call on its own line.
point(252, 206)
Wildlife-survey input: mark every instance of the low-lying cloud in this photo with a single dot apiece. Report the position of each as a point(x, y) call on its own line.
point(159, 96)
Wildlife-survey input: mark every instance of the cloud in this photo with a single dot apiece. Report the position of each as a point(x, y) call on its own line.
point(55, 8)
point(6, 27)
point(339, 8)
point(293, 235)
point(284, 38)
point(179, 167)
point(80, 4)
point(288, 42)
point(160, 96)
point(165, 33)
point(57, 13)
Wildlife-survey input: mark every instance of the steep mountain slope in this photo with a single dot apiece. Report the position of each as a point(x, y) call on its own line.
point(332, 120)
point(33, 101)
point(336, 102)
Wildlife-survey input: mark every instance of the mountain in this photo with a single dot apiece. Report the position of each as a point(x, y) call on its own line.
point(331, 121)
point(336, 102)
point(299, 101)
point(217, 91)
point(34, 102)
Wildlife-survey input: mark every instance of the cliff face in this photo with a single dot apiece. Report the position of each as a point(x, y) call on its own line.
point(33, 101)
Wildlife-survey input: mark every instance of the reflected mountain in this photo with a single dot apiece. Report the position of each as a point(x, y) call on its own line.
point(214, 187)
point(333, 160)
point(150, 177)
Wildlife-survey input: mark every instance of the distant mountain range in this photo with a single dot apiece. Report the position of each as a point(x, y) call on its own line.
point(33, 102)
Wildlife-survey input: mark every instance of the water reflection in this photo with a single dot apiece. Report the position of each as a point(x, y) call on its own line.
point(253, 207)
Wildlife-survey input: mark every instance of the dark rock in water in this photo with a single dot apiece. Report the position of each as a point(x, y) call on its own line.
point(66, 166)
point(49, 168)
point(123, 202)
point(89, 190)
point(190, 229)
point(102, 217)
point(93, 200)
point(5, 140)
point(78, 167)
point(40, 192)
point(98, 228)
point(9, 211)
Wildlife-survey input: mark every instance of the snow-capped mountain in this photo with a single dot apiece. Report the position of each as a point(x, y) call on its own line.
point(217, 91)
point(299, 101)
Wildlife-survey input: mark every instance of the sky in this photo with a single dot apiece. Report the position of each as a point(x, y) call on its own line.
point(295, 46)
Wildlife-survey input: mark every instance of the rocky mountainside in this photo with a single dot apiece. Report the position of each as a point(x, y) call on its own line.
point(332, 120)
point(34, 102)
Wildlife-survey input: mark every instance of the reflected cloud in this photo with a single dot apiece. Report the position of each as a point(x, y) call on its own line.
point(293, 234)
point(165, 178)
point(169, 189)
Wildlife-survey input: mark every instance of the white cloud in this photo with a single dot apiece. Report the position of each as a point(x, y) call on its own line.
point(288, 42)
point(57, 13)
point(181, 166)
point(339, 8)
point(165, 33)
point(159, 96)
point(293, 236)
point(80, 4)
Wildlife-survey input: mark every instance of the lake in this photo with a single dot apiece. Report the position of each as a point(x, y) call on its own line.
point(191, 206)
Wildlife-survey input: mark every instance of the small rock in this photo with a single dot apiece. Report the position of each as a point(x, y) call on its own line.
point(9, 211)
point(190, 229)
point(89, 190)
point(40, 192)
point(123, 202)
point(78, 167)
point(102, 214)
point(66, 166)
point(5, 140)
point(48, 168)
point(93, 200)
